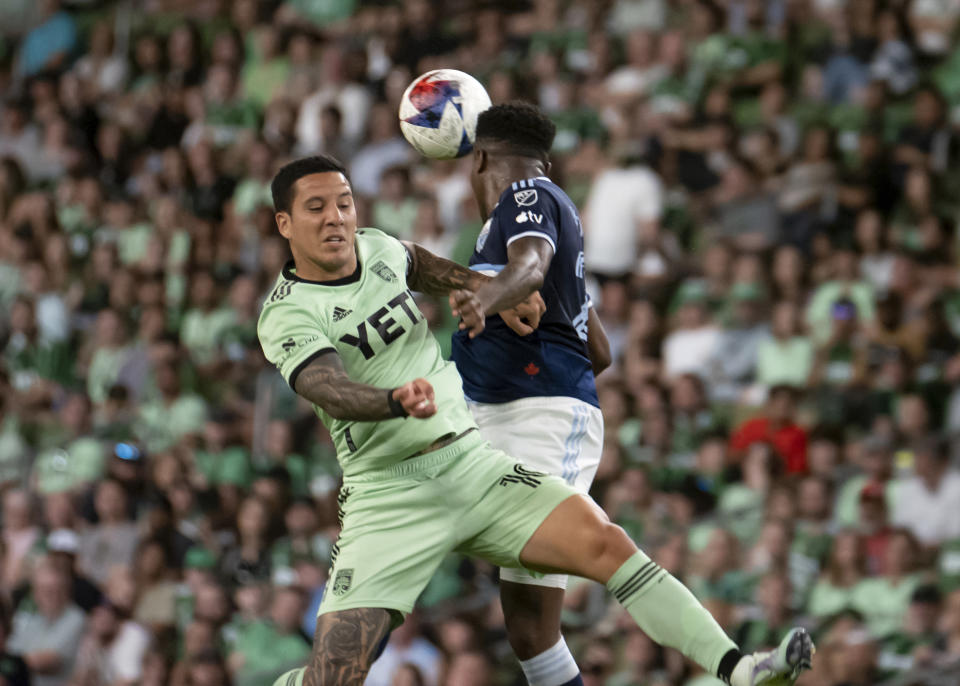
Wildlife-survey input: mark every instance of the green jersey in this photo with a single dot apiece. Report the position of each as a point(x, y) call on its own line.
point(373, 323)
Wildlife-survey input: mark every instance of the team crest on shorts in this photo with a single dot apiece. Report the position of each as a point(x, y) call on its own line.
point(384, 272)
point(343, 581)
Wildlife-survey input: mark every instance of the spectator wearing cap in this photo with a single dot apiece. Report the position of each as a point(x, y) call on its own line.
point(46, 634)
point(927, 502)
point(62, 546)
point(776, 425)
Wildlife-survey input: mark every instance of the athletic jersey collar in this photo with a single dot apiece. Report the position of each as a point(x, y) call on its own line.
point(288, 273)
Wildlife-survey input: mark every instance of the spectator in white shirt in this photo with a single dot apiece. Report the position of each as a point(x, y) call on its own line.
point(928, 504)
point(624, 204)
point(691, 347)
point(47, 636)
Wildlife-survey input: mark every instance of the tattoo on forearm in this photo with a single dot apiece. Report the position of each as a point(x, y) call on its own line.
point(325, 383)
point(344, 645)
point(438, 276)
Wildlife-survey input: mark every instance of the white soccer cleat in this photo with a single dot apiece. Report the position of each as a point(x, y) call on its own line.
point(779, 667)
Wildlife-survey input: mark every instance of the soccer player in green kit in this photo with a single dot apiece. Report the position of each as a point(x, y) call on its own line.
point(419, 482)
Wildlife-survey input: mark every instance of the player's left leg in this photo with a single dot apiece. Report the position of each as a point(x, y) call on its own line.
point(578, 538)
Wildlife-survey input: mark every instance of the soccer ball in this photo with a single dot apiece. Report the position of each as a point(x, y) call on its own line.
point(438, 113)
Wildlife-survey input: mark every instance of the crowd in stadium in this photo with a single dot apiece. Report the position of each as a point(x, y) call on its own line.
point(770, 194)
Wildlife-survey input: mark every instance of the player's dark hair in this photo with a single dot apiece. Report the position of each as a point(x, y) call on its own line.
point(522, 126)
point(282, 185)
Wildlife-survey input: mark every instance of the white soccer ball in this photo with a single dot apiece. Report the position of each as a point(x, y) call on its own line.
point(438, 113)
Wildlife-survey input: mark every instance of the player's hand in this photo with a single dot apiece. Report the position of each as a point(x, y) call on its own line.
point(467, 306)
point(417, 398)
point(525, 317)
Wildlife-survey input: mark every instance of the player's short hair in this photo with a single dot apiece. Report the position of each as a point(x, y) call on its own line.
point(282, 185)
point(522, 126)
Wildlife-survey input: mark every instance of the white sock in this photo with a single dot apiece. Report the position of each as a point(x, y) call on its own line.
point(552, 667)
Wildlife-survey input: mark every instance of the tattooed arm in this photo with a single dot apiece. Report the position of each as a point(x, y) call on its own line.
point(435, 275)
point(438, 276)
point(344, 646)
point(325, 383)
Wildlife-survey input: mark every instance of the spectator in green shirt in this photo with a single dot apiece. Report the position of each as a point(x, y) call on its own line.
point(883, 600)
point(172, 415)
point(845, 568)
point(271, 645)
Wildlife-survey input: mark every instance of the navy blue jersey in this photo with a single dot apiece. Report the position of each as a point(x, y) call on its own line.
point(499, 366)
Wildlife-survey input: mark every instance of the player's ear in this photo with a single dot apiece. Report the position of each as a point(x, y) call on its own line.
point(547, 167)
point(283, 223)
point(479, 160)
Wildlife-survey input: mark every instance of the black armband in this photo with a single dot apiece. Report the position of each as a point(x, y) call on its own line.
point(396, 407)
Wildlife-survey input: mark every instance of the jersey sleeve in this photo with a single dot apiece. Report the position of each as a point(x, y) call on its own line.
point(525, 210)
point(291, 339)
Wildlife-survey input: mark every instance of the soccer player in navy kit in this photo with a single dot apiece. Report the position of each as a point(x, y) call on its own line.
point(533, 395)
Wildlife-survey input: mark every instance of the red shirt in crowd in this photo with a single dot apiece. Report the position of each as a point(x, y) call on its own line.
point(789, 440)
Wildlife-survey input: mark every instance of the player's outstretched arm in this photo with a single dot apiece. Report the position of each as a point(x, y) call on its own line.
point(528, 260)
point(435, 275)
point(325, 383)
point(598, 347)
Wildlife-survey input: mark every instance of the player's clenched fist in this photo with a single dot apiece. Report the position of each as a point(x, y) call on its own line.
point(467, 306)
point(416, 398)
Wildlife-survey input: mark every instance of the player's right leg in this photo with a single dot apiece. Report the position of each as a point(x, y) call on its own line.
point(578, 538)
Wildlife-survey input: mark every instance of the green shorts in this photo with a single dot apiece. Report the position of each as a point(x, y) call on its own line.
point(400, 522)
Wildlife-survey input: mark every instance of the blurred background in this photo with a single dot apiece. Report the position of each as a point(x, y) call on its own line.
point(770, 198)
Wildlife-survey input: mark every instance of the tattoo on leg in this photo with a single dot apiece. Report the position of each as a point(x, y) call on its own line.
point(344, 645)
